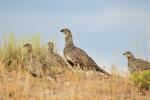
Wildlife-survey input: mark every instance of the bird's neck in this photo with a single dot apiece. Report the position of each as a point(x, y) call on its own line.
point(131, 58)
point(69, 41)
point(50, 50)
point(30, 51)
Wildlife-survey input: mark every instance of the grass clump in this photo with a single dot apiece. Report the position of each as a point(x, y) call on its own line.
point(12, 53)
point(141, 80)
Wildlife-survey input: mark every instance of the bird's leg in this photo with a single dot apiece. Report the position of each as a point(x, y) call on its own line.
point(141, 90)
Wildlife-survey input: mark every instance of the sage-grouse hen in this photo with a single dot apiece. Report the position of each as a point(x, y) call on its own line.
point(52, 58)
point(135, 64)
point(34, 65)
point(75, 56)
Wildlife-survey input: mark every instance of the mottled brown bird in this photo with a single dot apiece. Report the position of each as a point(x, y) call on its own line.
point(135, 64)
point(34, 65)
point(54, 59)
point(75, 56)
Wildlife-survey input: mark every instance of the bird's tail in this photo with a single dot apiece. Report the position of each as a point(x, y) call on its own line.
point(101, 70)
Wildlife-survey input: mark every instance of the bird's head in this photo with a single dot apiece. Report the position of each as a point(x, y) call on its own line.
point(28, 46)
point(50, 45)
point(66, 32)
point(128, 55)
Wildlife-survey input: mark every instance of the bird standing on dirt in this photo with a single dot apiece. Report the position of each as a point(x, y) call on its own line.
point(136, 65)
point(54, 59)
point(34, 65)
point(75, 56)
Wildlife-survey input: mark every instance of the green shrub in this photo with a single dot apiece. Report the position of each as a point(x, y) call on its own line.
point(141, 79)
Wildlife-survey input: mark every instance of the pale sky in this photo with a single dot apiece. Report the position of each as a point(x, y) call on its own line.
point(103, 28)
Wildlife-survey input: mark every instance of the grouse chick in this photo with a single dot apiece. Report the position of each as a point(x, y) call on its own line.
point(34, 65)
point(54, 59)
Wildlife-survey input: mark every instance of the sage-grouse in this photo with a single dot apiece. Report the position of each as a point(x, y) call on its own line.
point(75, 56)
point(34, 65)
point(136, 65)
point(52, 58)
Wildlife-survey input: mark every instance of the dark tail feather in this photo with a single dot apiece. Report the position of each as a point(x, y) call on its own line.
point(101, 70)
point(35, 75)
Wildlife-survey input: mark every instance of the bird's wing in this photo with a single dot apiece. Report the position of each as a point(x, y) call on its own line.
point(78, 56)
point(81, 57)
point(142, 64)
point(60, 60)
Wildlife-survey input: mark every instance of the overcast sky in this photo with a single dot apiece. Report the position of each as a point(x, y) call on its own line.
point(103, 28)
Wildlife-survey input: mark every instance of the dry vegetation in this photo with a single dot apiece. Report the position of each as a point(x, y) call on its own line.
point(17, 84)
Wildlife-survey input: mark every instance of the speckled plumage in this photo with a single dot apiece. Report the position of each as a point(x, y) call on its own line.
point(34, 65)
point(75, 56)
point(135, 64)
point(54, 59)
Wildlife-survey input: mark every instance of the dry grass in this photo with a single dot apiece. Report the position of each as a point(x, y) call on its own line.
point(76, 85)
point(18, 84)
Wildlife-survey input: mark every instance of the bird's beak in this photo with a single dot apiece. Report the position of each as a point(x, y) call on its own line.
point(24, 46)
point(124, 53)
point(62, 30)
